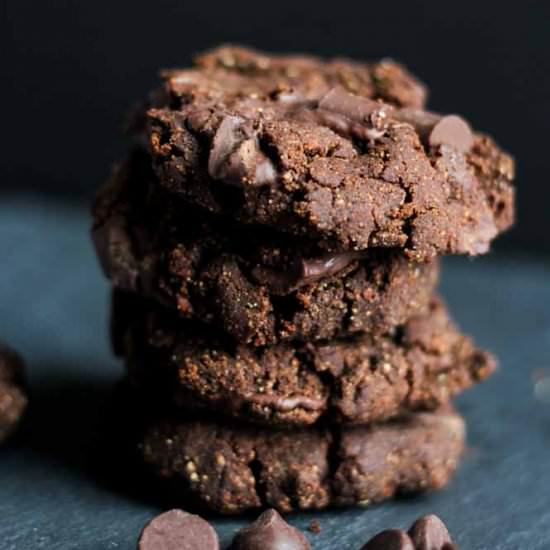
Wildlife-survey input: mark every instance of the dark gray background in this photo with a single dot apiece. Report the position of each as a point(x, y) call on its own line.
point(70, 70)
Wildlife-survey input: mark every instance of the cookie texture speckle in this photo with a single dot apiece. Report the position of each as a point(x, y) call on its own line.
point(13, 400)
point(258, 286)
point(231, 468)
point(352, 165)
point(421, 365)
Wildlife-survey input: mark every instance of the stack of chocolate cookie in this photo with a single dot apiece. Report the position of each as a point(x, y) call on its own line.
point(273, 241)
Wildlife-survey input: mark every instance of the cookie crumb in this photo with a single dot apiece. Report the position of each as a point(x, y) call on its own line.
point(314, 527)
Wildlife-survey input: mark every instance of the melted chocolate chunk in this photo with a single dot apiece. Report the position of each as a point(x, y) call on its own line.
point(305, 271)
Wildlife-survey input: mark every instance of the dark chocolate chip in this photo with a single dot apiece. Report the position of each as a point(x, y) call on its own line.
point(435, 130)
point(454, 131)
point(178, 530)
point(351, 115)
point(392, 539)
point(430, 533)
point(270, 532)
point(354, 107)
point(227, 138)
point(235, 156)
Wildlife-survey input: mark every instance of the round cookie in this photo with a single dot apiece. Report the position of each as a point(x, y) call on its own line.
point(326, 159)
point(230, 468)
point(256, 285)
point(13, 401)
point(419, 366)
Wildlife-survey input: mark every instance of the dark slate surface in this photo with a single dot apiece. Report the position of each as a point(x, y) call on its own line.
point(53, 307)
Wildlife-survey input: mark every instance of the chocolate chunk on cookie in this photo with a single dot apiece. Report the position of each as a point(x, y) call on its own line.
point(256, 285)
point(350, 165)
point(13, 400)
point(232, 468)
point(420, 365)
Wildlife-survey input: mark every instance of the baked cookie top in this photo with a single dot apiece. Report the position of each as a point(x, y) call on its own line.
point(332, 151)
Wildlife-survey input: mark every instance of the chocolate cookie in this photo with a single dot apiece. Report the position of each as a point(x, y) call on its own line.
point(232, 468)
point(258, 286)
point(13, 401)
point(320, 155)
point(419, 366)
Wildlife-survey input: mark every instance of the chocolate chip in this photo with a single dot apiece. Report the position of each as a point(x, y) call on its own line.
point(354, 107)
point(228, 137)
point(430, 533)
point(435, 130)
point(351, 115)
point(235, 156)
point(178, 530)
point(392, 539)
point(454, 131)
point(270, 532)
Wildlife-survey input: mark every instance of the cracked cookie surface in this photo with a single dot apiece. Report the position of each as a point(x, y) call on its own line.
point(368, 378)
point(328, 160)
point(259, 286)
point(231, 468)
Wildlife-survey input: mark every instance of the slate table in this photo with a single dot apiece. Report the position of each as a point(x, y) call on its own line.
point(53, 308)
